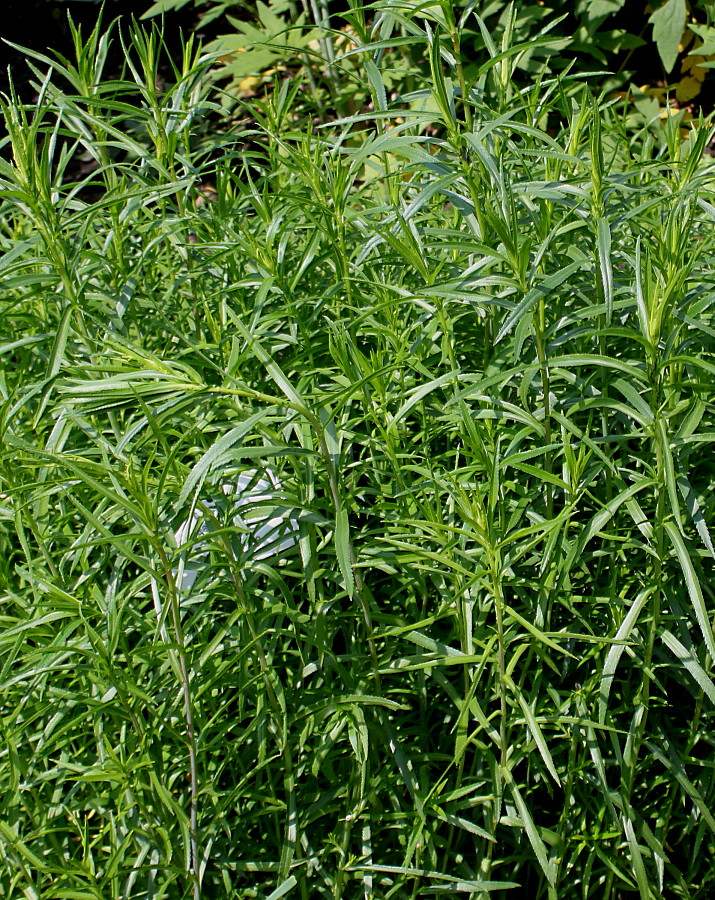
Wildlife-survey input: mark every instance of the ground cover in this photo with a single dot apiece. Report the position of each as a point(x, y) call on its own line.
point(461, 342)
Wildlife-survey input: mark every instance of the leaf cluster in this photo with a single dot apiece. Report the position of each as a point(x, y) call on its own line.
point(467, 336)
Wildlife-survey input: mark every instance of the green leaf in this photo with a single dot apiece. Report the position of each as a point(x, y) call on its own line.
point(465, 824)
point(217, 452)
point(420, 393)
point(605, 269)
point(12, 840)
point(58, 349)
point(707, 33)
point(536, 733)
point(696, 514)
point(532, 297)
point(377, 84)
point(695, 670)
point(283, 888)
point(535, 631)
point(637, 859)
point(454, 884)
point(273, 369)
point(616, 651)
point(669, 467)
point(164, 6)
point(693, 585)
point(532, 832)
point(668, 23)
point(342, 548)
point(675, 765)
point(603, 517)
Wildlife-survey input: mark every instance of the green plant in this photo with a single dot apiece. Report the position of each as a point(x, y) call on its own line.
point(599, 36)
point(467, 336)
point(273, 34)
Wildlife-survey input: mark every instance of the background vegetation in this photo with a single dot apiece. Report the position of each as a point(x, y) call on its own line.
point(667, 43)
point(453, 319)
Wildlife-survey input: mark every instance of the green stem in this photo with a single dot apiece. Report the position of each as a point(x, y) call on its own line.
point(359, 586)
point(189, 719)
point(539, 331)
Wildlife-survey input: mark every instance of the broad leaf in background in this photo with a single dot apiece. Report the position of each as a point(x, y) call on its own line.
point(668, 26)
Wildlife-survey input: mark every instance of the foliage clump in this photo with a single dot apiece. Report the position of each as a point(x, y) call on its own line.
point(463, 339)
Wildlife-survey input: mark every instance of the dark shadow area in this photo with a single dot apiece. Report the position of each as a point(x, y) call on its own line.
point(42, 25)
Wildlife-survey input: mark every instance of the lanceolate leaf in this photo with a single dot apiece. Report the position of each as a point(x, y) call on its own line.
point(693, 585)
point(616, 651)
point(675, 765)
point(532, 832)
point(342, 547)
point(696, 514)
point(532, 297)
point(603, 243)
point(217, 452)
point(692, 666)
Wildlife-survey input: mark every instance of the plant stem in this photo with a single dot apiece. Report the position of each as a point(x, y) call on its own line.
point(189, 719)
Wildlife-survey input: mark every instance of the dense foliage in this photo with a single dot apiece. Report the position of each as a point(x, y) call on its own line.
point(676, 39)
point(460, 640)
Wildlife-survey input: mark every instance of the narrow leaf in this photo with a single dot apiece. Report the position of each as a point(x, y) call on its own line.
point(532, 832)
point(637, 860)
point(216, 452)
point(342, 547)
point(283, 888)
point(675, 765)
point(603, 242)
point(537, 734)
point(693, 585)
point(616, 651)
point(534, 295)
point(691, 664)
point(664, 441)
